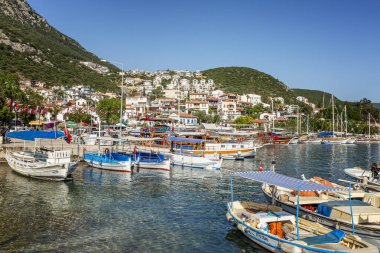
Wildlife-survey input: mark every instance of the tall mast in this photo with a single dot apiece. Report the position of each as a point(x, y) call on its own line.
point(179, 97)
point(298, 124)
point(369, 125)
point(323, 101)
point(345, 119)
point(333, 116)
point(272, 116)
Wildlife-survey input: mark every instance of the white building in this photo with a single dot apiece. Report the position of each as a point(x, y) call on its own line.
point(251, 98)
point(228, 109)
point(81, 102)
point(197, 105)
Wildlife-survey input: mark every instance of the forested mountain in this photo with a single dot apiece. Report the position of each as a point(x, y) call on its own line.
point(34, 50)
point(316, 97)
point(242, 80)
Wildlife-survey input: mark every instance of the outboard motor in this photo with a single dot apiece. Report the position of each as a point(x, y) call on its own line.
point(375, 171)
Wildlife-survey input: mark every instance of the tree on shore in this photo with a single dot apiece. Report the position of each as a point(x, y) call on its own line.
point(109, 110)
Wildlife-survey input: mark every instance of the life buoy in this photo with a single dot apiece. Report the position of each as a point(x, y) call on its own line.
point(106, 151)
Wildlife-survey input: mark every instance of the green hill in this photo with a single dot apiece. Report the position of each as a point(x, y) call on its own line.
point(316, 96)
point(34, 50)
point(242, 80)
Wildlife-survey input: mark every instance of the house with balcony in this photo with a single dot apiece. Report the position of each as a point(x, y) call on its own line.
point(198, 96)
point(196, 105)
point(228, 109)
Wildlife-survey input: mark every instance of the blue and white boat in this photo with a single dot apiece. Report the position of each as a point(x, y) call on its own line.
point(113, 161)
point(106, 160)
point(279, 231)
point(150, 160)
point(144, 159)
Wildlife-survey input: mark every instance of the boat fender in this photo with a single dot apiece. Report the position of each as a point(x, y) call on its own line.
point(242, 228)
point(290, 248)
point(229, 218)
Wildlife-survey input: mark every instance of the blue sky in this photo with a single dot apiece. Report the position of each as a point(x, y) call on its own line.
point(328, 45)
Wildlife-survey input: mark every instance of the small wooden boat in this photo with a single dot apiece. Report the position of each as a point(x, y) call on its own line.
point(42, 163)
point(313, 205)
point(276, 231)
point(358, 173)
point(369, 178)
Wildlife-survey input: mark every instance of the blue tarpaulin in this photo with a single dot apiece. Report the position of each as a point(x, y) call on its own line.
point(273, 178)
point(326, 208)
point(325, 134)
point(33, 135)
point(182, 139)
point(334, 236)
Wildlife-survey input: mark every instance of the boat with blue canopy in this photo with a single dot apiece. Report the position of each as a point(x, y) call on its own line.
point(360, 218)
point(38, 162)
point(145, 159)
point(107, 160)
point(277, 230)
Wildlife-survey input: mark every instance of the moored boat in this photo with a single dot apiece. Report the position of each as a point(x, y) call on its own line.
point(277, 230)
point(192, 161)
point(109, 161)
point(313, 206)
point(42, 163)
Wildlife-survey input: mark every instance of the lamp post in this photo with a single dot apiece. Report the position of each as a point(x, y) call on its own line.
point(122, 92)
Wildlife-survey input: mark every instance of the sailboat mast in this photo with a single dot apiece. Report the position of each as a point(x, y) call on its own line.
point(369, 125)
point(272, 117)
point(333, 114)
point(345, 119)
point(298, 124)
point(323, 101)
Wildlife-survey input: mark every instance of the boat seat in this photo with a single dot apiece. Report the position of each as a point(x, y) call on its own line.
point(334, 236)
point(308, 200)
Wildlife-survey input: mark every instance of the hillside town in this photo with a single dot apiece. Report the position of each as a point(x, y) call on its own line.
point(168, 96)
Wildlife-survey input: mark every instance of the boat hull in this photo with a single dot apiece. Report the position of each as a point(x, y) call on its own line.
point(194, 162)
point(371, 234)
point(163, 165)
point(56, 172)
point(104, 163)
point(273, 243)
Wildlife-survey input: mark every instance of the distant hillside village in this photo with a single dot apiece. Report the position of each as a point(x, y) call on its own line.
point(161, 95)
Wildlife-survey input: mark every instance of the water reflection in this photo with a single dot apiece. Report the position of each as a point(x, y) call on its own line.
point(96, 176)
point(152, 211)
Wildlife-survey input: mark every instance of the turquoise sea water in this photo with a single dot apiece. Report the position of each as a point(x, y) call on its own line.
point(178, 211)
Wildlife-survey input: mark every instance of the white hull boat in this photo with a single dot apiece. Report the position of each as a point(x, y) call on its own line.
point(185, 160)
point(358, 173)
point(275, 231)
point(164, 165)
point(49, 165)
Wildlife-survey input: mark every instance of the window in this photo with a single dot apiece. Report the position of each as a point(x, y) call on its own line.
point(233, 146)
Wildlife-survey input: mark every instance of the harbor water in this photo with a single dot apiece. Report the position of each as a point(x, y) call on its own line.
point(152, 211)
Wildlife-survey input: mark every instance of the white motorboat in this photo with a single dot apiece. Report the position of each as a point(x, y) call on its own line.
point(41, 163)
point(191, 161)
